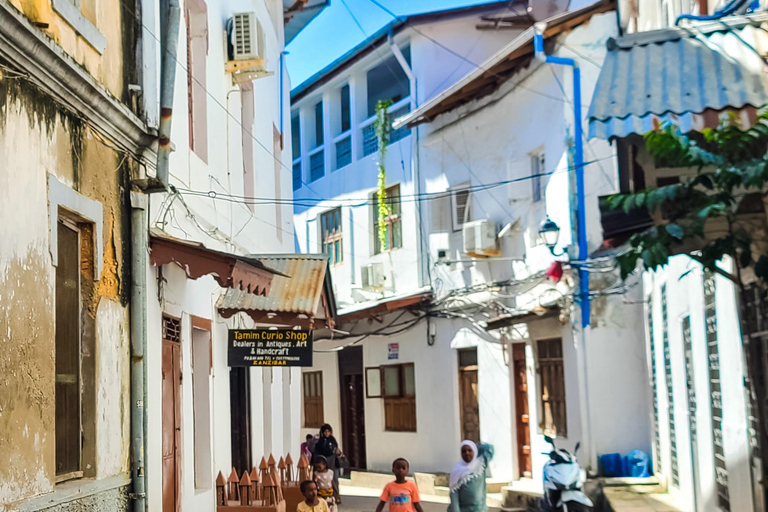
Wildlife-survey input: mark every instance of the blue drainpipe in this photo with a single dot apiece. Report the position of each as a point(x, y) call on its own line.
point(581, 219)
point(578, 157)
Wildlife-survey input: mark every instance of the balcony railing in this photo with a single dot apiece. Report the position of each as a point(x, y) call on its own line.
point(317, 164)
point(343, 149)
point(370, 143)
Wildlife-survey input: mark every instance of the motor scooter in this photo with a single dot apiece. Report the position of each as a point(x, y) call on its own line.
point(564, 482)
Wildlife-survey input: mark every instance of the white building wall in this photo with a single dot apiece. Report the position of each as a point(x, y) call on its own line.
point(685, 297)
point(225, 225)
point(488, 141)
point(328, 363)
point(492, 140)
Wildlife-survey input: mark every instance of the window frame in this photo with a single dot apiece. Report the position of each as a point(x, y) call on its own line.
point(345, 101)
point(71, 11)
point(329, 238)
point(538, 168)
point(558, 427)
point(308, 420)
point(78, 472)
point(391, 221)
point(456, 223)
point(319, 113)
point(401, 402)
point(196, 11)
point(201, 404)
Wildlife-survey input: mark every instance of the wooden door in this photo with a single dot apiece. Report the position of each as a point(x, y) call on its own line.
point(353, 406)
point(521, 411)
point(240, 418)
point(171, 424)
point(468, 395)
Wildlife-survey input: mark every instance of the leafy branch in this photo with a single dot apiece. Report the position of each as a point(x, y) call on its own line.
point(709, 211)
point(383, 127)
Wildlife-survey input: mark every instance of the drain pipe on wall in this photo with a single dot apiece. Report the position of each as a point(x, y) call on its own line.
point(169, 51)
point(139, 245)
point(415, 167)
point(581, 218)
point(139, 250)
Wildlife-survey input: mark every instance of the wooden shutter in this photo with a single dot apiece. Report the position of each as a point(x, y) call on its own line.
point(441, 214)
point(461, 208)
point(313, 399)
point(68, 404)
point(399, 386)
point(554, 421)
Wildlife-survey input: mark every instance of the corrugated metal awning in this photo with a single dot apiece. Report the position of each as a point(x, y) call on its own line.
point(291, 300)
point(686, 76)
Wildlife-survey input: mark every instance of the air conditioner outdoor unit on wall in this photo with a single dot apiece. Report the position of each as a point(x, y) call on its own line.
point(373, 276)
point(247, 37)
point(480, 238)
point(247, 48)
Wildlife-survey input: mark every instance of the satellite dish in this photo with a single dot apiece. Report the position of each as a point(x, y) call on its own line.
point(540, 10)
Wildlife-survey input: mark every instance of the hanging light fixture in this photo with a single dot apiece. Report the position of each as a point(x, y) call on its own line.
point(549, 232)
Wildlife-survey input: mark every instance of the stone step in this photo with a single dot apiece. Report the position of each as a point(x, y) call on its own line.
point(517, 494)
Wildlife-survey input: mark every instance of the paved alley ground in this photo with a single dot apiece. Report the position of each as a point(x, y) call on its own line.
point(355, 499)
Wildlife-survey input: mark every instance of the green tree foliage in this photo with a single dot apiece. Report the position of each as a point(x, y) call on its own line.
point(383, 127)
point(730, 164)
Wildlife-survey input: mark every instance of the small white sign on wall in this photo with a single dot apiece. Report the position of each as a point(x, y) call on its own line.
point(393, 350)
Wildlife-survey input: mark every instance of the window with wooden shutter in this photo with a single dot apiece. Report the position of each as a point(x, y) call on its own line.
point(313, 399)
point(399, 392)
point(331, 234)
point(538, 170)
point(394, 231)
point(460, 208)
point(553, 415)
point(68, 355)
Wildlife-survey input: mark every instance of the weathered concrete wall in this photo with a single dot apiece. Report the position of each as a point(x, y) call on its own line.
point(38, 139)
point(115, 20)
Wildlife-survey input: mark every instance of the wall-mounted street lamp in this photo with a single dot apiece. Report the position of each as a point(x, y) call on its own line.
point(549, 232)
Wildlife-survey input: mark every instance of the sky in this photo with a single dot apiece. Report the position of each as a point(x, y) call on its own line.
point(334, 31)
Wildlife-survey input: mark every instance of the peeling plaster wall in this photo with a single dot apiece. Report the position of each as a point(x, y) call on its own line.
point(110, 17)
point(38, 139)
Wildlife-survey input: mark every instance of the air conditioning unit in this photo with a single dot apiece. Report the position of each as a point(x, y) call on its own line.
point(247, 48)
point(480, 238)
point(373, 276)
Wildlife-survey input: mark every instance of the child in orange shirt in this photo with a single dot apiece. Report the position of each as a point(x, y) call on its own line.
point(401, 495)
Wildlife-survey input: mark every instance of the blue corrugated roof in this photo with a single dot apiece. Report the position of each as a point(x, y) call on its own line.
point(675, 74)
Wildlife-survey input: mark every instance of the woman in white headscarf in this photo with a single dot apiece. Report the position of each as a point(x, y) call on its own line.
point(468, 477)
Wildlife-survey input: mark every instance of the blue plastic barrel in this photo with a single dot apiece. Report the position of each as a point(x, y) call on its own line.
point(611, 464)
point(638, 464)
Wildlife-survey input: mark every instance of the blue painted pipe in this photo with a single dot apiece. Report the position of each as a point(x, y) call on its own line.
point(578, 157)
point(725, 11)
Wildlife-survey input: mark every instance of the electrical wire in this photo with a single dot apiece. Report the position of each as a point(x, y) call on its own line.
point(370, 201)
point(474, 64)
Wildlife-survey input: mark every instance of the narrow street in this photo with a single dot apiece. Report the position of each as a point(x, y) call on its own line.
point(487, 247)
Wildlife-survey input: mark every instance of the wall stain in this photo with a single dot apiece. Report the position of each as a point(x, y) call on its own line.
point(42, 112)
point(27, 407)
point(109, 284)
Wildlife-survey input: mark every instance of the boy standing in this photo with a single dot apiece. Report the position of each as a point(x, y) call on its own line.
point(401, 495)
point(311, 502)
